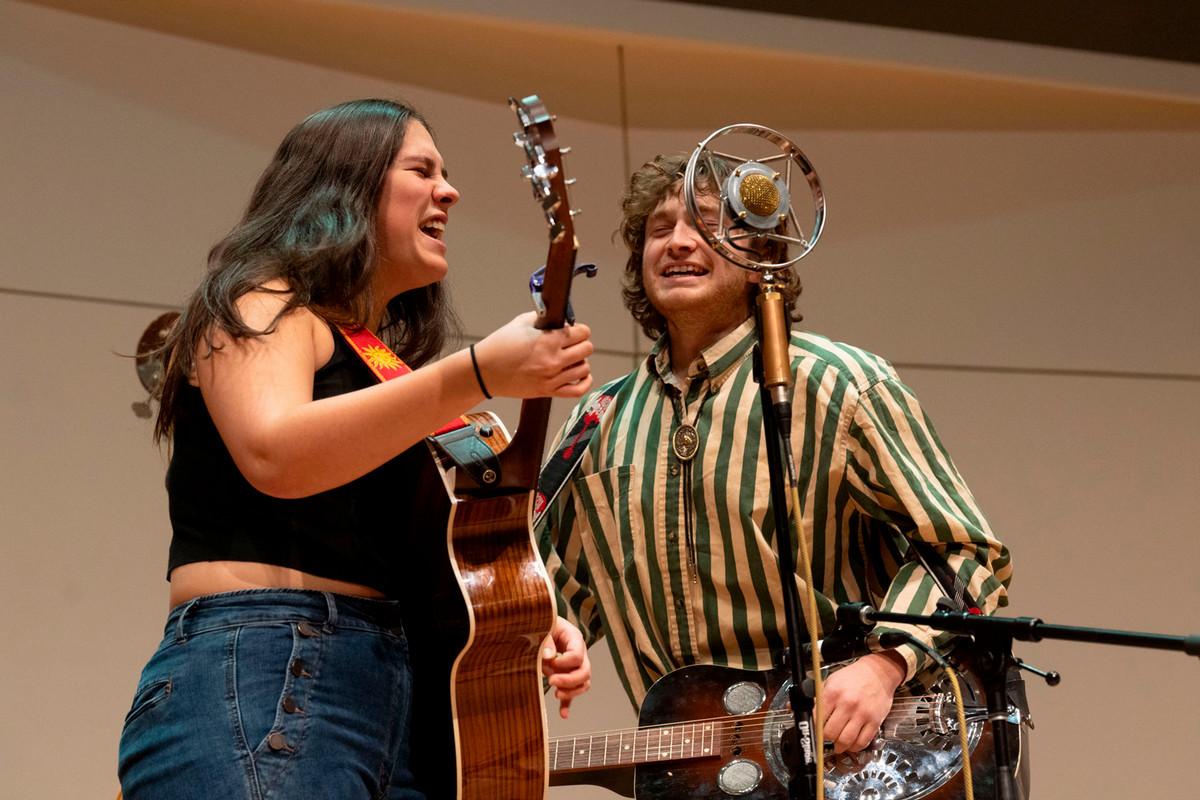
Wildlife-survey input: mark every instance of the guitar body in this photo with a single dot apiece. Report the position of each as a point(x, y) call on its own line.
point(481, 607)
point(697, 693)
point(478, 601)
point(708, 732)
point(499, 707)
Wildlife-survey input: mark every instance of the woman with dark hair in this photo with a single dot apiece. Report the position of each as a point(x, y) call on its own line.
point(283, 670)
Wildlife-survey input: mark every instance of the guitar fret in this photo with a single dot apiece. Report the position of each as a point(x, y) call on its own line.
point(658, 743)
point(697, 739)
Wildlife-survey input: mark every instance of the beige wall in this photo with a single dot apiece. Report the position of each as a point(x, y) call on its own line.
point(1013, 226)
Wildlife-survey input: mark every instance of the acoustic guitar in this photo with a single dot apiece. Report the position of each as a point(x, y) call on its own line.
point(715, 732)
point(479, 602)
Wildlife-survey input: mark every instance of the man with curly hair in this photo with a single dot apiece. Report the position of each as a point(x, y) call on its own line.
point(668, 551)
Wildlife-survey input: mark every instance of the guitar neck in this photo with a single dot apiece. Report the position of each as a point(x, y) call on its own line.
point(681, 741)
point(908, 718)
point(522, 459)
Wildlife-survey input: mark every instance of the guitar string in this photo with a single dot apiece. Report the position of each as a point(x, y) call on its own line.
point(725, 729)
point(900, 704)
point(659, 753)
point(651, 752)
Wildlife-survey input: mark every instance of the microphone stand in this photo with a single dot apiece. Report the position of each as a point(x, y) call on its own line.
point(994, 637)
point(773, 372)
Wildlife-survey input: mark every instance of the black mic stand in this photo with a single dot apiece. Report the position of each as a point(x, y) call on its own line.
point(773, 371)
point(993, 638)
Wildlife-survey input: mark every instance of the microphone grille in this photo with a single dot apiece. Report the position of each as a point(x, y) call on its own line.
point(759, 194)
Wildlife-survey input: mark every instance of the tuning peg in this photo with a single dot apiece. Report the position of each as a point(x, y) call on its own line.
point(576, 212)
point(562, 151)
point(571, 181)
point(520, 139)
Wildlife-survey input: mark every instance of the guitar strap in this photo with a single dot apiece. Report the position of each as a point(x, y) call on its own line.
point(457, 440)
point(948, 581)
point(570, 450)
point(955, 593)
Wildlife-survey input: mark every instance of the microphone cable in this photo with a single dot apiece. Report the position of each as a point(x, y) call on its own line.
point(810, 617)
point(959, 704)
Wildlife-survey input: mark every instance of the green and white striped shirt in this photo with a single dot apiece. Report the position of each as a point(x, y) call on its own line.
point(674, 562)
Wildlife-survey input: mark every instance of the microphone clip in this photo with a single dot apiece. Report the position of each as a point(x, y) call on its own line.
point(849, 639)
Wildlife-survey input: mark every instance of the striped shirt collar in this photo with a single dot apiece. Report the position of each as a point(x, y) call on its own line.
point(715, 362)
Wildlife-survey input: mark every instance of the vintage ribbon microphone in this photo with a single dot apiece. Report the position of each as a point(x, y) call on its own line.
point(755, 217)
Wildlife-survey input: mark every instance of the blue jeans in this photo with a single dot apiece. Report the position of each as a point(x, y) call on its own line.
point(273, 694)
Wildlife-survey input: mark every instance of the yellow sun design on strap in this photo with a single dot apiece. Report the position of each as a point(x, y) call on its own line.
point(381, 358)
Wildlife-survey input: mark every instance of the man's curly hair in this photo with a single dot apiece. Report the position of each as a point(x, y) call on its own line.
point(648, 186)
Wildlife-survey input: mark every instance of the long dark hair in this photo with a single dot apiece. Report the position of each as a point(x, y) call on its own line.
point(648, 186)
point(311, 224)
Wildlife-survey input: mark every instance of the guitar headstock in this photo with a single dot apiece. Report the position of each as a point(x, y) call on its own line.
point(543, 163)
point(544, 170)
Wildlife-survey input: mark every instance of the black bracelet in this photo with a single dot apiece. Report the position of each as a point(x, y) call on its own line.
point(478, 375)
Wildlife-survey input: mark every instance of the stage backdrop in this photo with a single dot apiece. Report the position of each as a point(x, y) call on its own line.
point(1013, 226)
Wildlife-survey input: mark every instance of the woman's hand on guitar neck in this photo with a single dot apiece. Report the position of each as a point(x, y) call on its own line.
point(518, 360)
point(565, 662)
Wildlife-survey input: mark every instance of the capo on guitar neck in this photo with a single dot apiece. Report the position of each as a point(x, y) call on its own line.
point(537, 281)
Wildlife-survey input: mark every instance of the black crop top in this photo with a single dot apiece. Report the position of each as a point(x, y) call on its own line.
point(355, 532)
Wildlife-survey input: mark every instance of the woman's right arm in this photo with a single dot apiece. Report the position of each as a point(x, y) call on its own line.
point(259, 393)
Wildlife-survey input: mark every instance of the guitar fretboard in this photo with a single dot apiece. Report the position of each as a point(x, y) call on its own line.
point(632, 746)
point(910, 717)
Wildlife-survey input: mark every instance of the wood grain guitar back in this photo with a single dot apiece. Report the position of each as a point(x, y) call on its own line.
point(479, 599)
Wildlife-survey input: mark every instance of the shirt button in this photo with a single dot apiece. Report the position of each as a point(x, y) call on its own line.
point(673, 470)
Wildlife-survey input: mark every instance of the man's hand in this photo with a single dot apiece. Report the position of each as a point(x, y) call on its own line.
point(565, 662)
point(858, 697)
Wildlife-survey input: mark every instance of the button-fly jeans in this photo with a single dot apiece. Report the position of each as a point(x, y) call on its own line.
point(273, 695)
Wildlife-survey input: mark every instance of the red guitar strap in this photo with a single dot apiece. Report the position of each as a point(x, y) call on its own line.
point(386, 365)
point(458, 441)
point(557, 470)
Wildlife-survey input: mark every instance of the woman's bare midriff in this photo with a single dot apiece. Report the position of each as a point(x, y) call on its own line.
point(190, 581)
